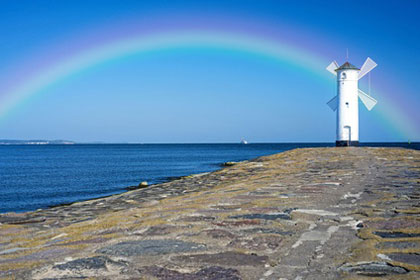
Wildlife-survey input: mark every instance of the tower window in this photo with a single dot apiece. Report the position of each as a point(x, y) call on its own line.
point(343, 76)
point(347, 104)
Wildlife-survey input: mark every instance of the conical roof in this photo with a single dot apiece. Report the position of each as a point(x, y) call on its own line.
point(347, 66)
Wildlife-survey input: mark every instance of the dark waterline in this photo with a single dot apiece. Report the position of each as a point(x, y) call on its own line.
point(39, 176)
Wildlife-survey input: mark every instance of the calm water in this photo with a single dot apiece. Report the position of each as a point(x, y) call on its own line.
point(38, 176)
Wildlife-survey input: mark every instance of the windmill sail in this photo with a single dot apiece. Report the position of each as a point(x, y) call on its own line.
point(331, 68)
point(368, 100)
point(333, 103)
point(367, 67)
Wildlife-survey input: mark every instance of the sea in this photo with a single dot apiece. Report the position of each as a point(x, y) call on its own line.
point(41, 176)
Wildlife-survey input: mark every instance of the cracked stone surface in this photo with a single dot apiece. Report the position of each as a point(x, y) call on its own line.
point(208, 273)
point(374, 269)
point(225, 258)
point(150, 247)
point(87, 263)
point(318, 213)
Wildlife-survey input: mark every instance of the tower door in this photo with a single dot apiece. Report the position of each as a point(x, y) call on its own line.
point(347, 134)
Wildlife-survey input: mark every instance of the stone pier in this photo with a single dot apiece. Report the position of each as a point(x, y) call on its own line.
point(320, 213)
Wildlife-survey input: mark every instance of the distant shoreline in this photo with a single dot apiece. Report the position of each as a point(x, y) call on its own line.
point(69, 142)
point(36, 142)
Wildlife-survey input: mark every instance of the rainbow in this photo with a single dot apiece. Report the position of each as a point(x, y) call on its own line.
point(100, 51)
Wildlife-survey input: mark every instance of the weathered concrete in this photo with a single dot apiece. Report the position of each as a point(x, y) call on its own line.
point(326, 213)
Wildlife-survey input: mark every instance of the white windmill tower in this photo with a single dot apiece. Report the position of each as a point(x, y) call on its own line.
point(346, 101)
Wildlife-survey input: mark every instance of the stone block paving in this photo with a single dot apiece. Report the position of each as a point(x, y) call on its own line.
point(321, 213)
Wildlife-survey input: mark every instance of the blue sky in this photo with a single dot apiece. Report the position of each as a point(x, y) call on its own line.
point(210, 94)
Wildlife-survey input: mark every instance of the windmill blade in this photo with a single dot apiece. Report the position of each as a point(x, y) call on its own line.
point(367, 67)
point(331, 68)
point(368, 100)
point(333, 103)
